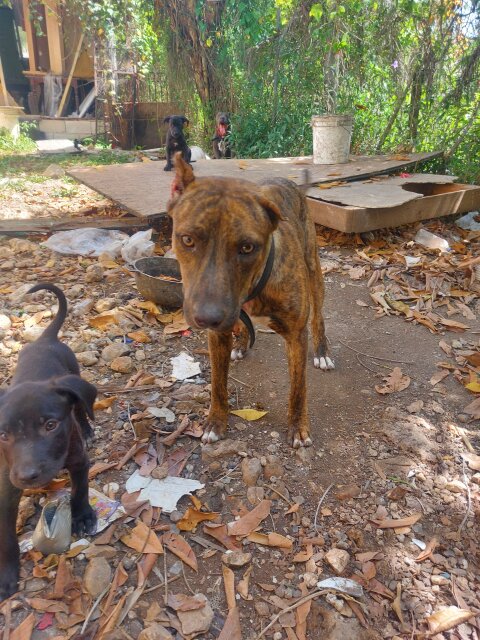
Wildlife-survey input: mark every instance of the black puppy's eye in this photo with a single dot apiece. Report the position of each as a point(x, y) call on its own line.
point(3, 436)
point(247, 248)
point(50, 425)
point(188, 242)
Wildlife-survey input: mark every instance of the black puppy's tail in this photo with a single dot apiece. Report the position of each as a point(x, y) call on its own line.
point(54, 327)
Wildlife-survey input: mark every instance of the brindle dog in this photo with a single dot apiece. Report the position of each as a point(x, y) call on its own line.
point(223, 231)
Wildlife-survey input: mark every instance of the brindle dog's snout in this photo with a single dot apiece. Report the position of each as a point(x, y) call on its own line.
point(209, 316)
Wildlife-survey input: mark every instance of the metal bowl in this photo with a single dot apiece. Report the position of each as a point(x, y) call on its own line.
point(152, 286)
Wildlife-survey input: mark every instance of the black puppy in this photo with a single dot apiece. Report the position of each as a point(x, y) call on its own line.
point(221, 141)
point(43, 426)
point(176, 140)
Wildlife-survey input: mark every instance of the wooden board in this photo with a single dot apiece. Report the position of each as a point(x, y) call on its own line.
point(378, 192)
point(143, 188)
point(437, 200)
point(50, 225)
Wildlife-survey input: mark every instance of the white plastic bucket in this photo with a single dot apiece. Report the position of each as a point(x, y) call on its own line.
point(331, 139)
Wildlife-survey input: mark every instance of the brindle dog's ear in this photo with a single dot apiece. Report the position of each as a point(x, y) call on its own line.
point(78, 390)
point(183, 177)
point(272, 210)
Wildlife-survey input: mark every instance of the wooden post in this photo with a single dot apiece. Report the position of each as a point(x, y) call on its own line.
point(54, 35)
point(28, 29)
point(69, 79)
point(4, 85)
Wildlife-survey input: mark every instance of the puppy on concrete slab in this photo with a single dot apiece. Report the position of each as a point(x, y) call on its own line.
point(43, 427)
point(175, 141)
point(247, 249)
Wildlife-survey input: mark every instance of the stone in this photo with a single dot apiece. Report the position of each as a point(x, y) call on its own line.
point(94, 273)
point(155, 632)
point(410, 433)
point(273, 467)
point(54, 171)
point(455, 486)
point(123, 364)
point(251, 471)
point(5, 322)
point(87, 358)
point(305, 455)
point(97, 577)
point(83, 307)
point(115, 350)
point(197, 621)
point(140, 355)
point(338, 559)
point(262, 609)
point(476, 478)
point(222, 449)
point(105, 305)
point(255, 495)
point(236, 559)
point(32, 333)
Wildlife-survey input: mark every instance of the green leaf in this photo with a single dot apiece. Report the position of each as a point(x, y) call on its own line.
point(316, 11)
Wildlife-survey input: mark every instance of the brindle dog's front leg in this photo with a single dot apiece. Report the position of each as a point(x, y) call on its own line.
point(219, 346)
point(299, 428)
point(9, 551)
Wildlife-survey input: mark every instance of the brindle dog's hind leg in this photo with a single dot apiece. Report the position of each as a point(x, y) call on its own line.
point(321, 359)
point(241, 341)
point(219, 347)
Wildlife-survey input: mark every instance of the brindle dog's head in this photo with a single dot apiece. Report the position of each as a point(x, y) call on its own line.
point(221, 236)
point(36, 423)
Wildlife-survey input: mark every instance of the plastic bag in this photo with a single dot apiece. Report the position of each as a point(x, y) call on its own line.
point(138, 246)
point(87, 242)
point(430, 240)
point(54, 529)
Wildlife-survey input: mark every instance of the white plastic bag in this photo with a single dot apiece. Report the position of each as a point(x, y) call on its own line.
point(138, 246)
point(87, 242)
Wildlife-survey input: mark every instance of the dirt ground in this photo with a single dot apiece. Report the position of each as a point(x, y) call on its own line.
point(388, 445)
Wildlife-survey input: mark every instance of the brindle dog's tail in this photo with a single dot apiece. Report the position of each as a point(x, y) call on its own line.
point(54, 327)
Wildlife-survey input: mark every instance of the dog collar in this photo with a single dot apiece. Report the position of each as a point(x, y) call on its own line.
point(257, 289)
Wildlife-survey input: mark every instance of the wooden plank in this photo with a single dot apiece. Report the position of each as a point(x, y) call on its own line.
point(443, 200)
point(54, 34)
point(28, 29)
point(70, 76)
point(50, 225)
point(143, 188)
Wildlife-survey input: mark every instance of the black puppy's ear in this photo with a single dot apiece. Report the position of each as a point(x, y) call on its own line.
point(185, 120)
point(79, 390)
point(167, 119)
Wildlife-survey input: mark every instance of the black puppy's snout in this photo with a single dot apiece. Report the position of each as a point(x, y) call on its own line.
point(28, 474)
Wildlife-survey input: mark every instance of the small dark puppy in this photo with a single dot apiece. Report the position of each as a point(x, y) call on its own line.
point(43, 426)
point(176, 140)
point(221, 142)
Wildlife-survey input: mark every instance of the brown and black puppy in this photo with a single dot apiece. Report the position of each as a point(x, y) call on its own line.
point(175, 141)
point(223, 231)
point(43, 426)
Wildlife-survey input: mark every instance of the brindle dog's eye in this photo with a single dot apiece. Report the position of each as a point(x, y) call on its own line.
point(3, 436)
point(188, 242)
point(247, 248)
point(50, 425)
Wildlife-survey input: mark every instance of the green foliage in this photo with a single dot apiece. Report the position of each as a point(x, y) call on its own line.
point(22, 144)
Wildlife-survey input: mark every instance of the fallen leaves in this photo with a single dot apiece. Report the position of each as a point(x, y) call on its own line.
point(427, 552)
point(392, 523)
point(180, 547)
point(395, 381)
point(249, 414)
point(143, 539)
point(447, 619)
point(473, 460)
point(270, 540)
point(192, 518)
point(251, 520)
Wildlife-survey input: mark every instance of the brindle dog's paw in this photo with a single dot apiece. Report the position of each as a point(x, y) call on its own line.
point(237, 354)
point(301, 440)
point(213, 432)
point(84, 522)
point(8, 581)
point(324, 363)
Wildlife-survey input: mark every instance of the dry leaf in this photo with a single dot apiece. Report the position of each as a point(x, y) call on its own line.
point(181, 602)
point(473, 386)
point(473, 460)
point(369, 570)
point(192, 517)
point(446, 619)
point(348, 491)
point(367, 556)
point(143, 540)
point(180, 547)
point(453, 325)
point(219, 532)
point(473, 409)
point(249, 414)
point(427, 552)
point(50, 606)
point(445, 347)
point(397, 603)
point(24, 629)
point(250, 521)
point(177, 326)
point(304, 556)
point(231, 629)
point(243, 585)
point(100, 405)
point(438, 377)
point(395, 381)
point(390, 523)
point(104, 320)
point(397, 493)
point(139, 336)
point(270, 540)
point(229, 585)
point(146, 305)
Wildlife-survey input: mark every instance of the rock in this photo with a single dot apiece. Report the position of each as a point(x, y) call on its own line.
point(97, 577)
point(54, 171)
point(439, 580)
point(16, 296)
point(123, 364)
point(333, 626)
point(196, 621)
point(8, 265)
point(255, 495)
point(32, 333)
point(476, 478)
point(310, 579)
point(105, 305)
point(273, 468)
point(338, 559)
point(415, 407)
point(155, 632)
point(305, 455)
point(140, 355)
point(21, 245)
point(455, 486)
point(222, 449)
point(115, 350)
point(94, 273)
point(87, 358)
point(77, 346)
point(236, 559)
point(5, 252)
point(410, 433)
point(262, 609)
point(96, 551)
point(82, 308)
point(5, 322)
point(251, 471)
point(175, 516)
